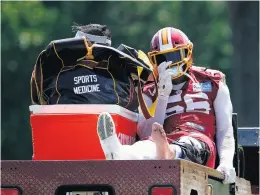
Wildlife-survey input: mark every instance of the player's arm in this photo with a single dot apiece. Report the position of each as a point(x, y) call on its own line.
point(224, 132)
point(144, 127)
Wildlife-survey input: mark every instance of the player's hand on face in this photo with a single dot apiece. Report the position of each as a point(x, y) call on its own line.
point(165, 79)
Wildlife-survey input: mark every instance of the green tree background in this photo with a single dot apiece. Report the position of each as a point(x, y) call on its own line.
point(225, 36)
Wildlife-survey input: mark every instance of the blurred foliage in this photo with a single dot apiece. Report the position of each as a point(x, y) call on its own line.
point(27, 28)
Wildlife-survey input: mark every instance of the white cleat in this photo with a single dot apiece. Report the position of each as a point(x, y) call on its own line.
point(107, 135)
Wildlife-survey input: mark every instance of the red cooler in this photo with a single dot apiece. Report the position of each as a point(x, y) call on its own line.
point(69, 132)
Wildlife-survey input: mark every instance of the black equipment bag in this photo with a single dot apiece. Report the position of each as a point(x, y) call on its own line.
point(70, 71)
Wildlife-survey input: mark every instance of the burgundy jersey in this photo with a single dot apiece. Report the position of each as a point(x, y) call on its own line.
point(190, 109)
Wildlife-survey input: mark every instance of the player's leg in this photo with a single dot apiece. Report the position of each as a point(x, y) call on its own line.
point(193, 149)
point(163, 149)
point(186, 147)
point(112, 147)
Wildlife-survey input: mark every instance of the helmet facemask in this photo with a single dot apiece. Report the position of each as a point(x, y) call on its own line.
point(180, 56)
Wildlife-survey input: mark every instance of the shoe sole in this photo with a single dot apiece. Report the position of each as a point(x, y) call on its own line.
point(106, 127)
point(107, 135)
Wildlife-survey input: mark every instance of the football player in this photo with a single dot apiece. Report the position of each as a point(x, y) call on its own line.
point(193, 117)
